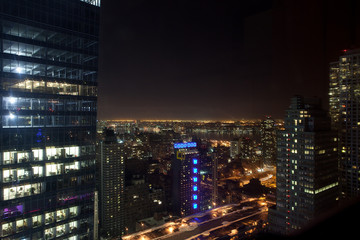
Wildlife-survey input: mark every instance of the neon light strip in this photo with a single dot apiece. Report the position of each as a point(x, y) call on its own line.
point(185, 145)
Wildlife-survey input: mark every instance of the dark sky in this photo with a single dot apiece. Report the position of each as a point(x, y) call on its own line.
point(217, 59)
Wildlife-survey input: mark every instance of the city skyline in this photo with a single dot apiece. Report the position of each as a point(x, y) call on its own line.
point(179, 120)
point(219, 60)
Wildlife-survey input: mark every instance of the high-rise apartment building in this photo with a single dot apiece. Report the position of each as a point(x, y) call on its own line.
point(48, 77)
point(307, 167)
point(344, 96)
point(268, 141)
point(111, 186)
point(186, 179)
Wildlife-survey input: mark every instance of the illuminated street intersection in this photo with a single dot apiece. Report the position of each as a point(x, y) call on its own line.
point(231, 221)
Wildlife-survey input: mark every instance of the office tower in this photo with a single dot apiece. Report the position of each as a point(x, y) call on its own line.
point(306, 177)
point(111, 185)
point(268, 141)
point(344, 93)
point(48, 101)
point(186, 178)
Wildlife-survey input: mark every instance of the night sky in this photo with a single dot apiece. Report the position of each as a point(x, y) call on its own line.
point(218, 59)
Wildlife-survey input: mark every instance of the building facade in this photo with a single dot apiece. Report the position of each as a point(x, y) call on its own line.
point(48, 77)
point(307, 167)
point(344, 102)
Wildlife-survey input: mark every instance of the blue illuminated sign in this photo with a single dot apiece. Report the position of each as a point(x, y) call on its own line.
point(195, 161)
point(195, 205)
point(195, 179)
point(185, 145)
point(195, 197)
point(195, 188)
point(195, 170)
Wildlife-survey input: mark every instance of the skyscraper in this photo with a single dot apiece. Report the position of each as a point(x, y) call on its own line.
point(48, 124)
point(268, 141)
point(186, 179)
point(307, 176)
point(111, 185)
point(344, 96)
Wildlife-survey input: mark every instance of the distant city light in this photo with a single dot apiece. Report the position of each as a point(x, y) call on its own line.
point(195, 161)
point(195, 170)
point(195, 206)
point(185, 145)
point(195, 179)
point(195, 188)
point(195, 197)
point(11, 116)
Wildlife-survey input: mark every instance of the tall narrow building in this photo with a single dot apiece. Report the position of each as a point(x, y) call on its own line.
point(307, 167)
point(48, 81)
point(268, 141)
point(344, 97)
point(111, 186)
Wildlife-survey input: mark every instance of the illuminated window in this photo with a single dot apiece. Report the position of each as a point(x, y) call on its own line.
point(195, 170)
point(195, 161)
point(195, 197)
point(195, 188)
point(195, 179)
point(195, 206)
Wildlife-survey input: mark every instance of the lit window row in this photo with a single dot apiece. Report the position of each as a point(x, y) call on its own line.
point(24, 224)
point(21, 157)
point(11, 175)
point(42, 70)
point(51, 153)
point(36, 51)
point(59, 88)
point(45, 104)
point(53, 169)
point(12, 120)
point(22, 191)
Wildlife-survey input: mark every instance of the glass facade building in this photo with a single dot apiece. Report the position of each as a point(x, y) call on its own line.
point(48, 82)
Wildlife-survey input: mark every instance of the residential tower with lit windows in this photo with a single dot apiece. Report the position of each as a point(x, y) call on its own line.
point(307, 167)
point(344, 103)
point(111, 185)
point(48, 82)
